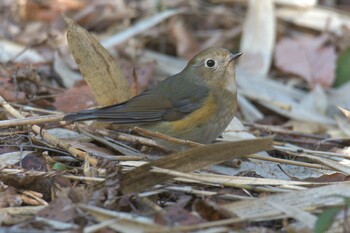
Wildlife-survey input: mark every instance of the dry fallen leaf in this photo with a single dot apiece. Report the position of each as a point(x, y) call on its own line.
point(8, 90)
point(140, 74)
point(309, 58)
point(258, 38)
point(99, 69)
point(141, 178)
point(75, 99)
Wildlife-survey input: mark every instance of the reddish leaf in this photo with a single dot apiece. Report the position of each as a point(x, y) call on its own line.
point(75, 99)
point(335, 177)
point(9, 91)
point(176, 215)
point(209, 211)
point(144, 73)
point(309, 58)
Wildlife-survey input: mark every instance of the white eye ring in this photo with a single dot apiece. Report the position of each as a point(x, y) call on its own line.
point(210, 63)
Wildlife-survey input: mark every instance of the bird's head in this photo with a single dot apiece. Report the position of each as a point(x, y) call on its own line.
point(213, 67)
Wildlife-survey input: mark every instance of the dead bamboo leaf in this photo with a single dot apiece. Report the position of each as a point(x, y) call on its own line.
point(99, 69)
point(316, 18)
point(308, 220)
point(305, 199)
point(258, 38)
point(140, 27)
point(141, 178)
point(124, 222)
point(345, 112)
point(297, 3)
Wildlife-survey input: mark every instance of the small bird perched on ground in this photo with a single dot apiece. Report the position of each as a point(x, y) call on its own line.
point(196, 104)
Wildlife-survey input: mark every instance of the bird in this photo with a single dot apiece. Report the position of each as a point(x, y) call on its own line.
point(196, 104)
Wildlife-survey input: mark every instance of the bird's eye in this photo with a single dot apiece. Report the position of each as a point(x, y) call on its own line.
point(210, 63)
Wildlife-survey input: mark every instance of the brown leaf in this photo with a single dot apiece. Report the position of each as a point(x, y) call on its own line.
point(55, 210)
point(34, 161)
point(335, 177)
point(144, 73)
point(309, 58)
point(9, 91)
point(99, 69)
point(24, 181)
point(177, 215)
point(209, 211)
point(75, 99)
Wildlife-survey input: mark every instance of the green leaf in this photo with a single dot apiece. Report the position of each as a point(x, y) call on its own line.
point(325, 220)
point(343, 68)
point(59, 166)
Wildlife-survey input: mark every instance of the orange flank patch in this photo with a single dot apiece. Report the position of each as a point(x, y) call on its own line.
point(199, 116)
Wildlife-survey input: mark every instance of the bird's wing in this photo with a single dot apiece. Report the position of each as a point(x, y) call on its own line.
point(162, 103)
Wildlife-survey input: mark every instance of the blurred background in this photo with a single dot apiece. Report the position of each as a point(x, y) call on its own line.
point(293, 84)
point(295, 63)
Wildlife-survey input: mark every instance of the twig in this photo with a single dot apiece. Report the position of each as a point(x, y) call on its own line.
point(49, 137)
point(40, 173)
point(188, 176)
point(275, 129)
point(314, 152)
point(165, 137)
point(21, 121)
point(191, 190)
point(34, 109)
point(36, 196)
point(124, 149)
point(128, 137)
point(286, 161)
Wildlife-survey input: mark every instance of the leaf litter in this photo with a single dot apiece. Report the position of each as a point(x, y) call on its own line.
point(281, 163)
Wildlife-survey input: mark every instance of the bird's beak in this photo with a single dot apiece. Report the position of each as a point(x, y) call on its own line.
point(234, 56)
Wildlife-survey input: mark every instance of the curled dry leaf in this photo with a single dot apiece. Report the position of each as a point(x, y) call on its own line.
point(310, 58)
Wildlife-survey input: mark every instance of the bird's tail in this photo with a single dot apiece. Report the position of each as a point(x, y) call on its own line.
point(80, 116)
